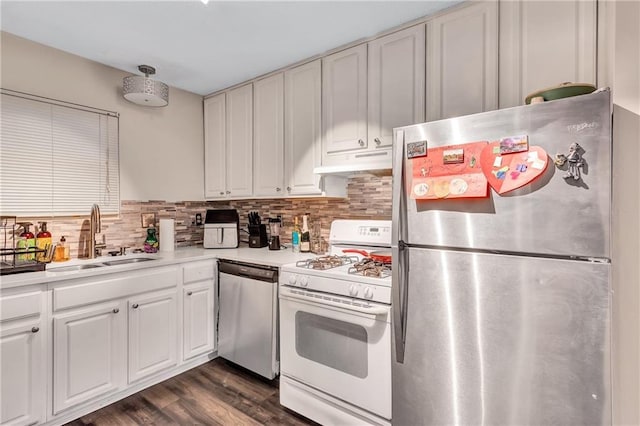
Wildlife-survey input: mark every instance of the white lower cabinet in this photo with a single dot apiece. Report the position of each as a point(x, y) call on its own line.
point(22, 369)
point(89, 347)
point(152, 334)
point(113, 334)
point(198, 319)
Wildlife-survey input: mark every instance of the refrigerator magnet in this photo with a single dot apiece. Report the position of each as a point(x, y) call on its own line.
point(453, 156)
point(421, 189)
point(514, 144)
point(416, 149)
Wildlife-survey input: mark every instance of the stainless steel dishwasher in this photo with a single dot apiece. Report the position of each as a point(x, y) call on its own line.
point(248, 316)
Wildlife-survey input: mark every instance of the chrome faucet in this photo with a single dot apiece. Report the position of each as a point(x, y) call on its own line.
point(94, 228)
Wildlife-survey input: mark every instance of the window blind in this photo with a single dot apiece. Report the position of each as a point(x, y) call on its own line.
point(56, 160)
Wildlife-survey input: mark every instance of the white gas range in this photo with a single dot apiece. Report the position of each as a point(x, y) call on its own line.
point(335, 329)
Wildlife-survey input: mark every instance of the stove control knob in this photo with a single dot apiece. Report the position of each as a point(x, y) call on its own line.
point(292, 279)
point(353, 291)
point(368, 293)
point(304, 281)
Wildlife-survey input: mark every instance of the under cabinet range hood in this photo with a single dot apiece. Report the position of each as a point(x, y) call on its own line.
point(347, 160)
point(350, 169)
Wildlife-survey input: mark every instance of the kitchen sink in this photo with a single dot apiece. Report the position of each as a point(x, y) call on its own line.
point(76, 267)
point(126, 261)
point(100, 264)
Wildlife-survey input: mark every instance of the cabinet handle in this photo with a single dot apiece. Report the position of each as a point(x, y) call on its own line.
point(360, 142)
point(135, 306)
point(228, 192)
point(221, 193)
point(116, 310)
point(189, 293)
point(288, 188)
point(35, 329)
point(278, 189)
point(377, 141)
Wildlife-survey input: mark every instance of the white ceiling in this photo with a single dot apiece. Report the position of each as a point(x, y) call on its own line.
point(204, 48)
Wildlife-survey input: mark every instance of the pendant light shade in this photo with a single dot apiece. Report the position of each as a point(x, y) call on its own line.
point(144, 90)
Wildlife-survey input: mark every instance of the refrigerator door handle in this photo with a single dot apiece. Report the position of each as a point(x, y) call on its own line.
point(399, 301)
point(397, 188)
point(397, 249)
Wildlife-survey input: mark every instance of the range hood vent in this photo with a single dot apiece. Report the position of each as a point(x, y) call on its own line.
point(346, 170)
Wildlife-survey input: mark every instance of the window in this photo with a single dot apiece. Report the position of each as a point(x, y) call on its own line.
point(56, 159)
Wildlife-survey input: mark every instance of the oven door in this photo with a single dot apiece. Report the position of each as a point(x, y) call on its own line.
point(337, 347)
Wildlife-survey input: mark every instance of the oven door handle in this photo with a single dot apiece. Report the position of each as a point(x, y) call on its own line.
point(373, 311)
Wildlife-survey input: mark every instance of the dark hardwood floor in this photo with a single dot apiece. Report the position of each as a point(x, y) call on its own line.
point(216, 393)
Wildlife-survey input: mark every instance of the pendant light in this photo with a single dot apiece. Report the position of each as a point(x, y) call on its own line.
point(144, 90)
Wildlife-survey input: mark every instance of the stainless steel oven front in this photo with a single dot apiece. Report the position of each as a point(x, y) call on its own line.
point(338, 346)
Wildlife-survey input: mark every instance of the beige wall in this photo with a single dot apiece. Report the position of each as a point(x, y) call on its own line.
point(619, 68)
point(161, 149)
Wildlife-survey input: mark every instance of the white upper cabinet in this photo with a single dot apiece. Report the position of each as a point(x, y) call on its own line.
point(367, 91)
point(268, 136)
point(344, 100)
point(462, 61)
point(239, 146)
point(396, 84)
point(214, 146)
point(543, 44)
point(302, 128)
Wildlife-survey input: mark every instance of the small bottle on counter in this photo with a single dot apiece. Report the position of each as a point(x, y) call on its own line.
point(295, 236)
point(151, 243)
point(62, 251)
point(305, 238)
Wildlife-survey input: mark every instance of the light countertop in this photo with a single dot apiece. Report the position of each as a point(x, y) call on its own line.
point(260, 256)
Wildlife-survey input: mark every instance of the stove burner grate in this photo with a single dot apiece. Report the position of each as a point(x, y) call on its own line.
point(370, 268)
point(326, 262)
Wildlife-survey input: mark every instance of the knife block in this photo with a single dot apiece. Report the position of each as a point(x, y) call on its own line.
point(258, 236)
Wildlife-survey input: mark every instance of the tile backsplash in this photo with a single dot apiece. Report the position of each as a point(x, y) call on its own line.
point(369, 197)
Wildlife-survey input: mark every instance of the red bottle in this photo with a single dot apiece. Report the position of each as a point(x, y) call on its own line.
point(43, 240)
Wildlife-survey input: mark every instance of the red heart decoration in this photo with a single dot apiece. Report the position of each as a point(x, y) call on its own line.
point(514, 170)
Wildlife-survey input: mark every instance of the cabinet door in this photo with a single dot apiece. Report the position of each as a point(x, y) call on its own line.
point(462, 61)
point(268, 136)
point(198, 321)
point(152, 334)
point(89, 347)
point(302, 136)
point(22, 369)
point(214, 146)
point(543, 44)
point(239, 146)
point(344, 100)
point(396, 84)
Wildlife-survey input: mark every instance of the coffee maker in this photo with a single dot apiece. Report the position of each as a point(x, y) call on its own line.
point(274, 230)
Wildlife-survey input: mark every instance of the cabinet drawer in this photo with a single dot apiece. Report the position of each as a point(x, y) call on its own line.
point(113, 287)
point(198, 271)
point(20, 305)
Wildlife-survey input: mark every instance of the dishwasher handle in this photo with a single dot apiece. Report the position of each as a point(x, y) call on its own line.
point(254, 272)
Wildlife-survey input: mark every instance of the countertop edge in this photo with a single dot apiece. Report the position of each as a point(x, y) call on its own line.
point(261, 256)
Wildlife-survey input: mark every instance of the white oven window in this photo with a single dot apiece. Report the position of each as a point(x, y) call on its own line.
point(333, 343)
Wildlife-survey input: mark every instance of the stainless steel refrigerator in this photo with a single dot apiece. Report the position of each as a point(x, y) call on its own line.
point(501, 305)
